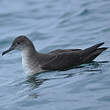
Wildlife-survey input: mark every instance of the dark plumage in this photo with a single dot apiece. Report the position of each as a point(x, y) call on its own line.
point(72, 57)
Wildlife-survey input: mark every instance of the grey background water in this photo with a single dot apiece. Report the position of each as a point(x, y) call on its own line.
point(53, 24)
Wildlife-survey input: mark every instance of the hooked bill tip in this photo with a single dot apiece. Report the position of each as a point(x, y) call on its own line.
point(10, 49)
point(3, 53)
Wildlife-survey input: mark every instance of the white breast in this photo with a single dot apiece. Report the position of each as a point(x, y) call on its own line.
point(27, 65)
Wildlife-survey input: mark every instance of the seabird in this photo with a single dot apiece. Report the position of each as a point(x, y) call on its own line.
point(60, 59)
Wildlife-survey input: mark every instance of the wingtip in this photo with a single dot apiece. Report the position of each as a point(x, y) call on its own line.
point(105, 48)
point(102, 49)
point(101, 43)
point(98, 45)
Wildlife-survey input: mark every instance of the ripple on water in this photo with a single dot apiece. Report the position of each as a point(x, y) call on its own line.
point(52, 25)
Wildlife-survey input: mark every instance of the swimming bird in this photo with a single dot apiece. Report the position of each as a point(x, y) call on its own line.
point(60, 59)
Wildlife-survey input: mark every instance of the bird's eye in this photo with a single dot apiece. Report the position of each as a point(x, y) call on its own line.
point(18, 42)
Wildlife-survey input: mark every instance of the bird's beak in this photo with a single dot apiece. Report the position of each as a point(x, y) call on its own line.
point(10, 49)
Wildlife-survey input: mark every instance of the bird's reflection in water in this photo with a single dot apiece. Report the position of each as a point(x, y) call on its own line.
point(92, 67)
point(95, 66)
point(34, 81)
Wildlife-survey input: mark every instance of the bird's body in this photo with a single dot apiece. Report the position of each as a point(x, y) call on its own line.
point(35, 62)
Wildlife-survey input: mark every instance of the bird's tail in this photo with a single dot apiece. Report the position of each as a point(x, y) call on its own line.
point(91, 53)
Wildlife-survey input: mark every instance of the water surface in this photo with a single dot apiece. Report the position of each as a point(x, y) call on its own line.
point(54, 24)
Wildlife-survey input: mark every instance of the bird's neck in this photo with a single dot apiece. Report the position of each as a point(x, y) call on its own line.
point(28, 59)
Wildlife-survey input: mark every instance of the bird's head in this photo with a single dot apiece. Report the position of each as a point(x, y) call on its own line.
point(20, 43)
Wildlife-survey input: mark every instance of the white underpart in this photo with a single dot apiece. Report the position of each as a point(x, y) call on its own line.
point(27, 65)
